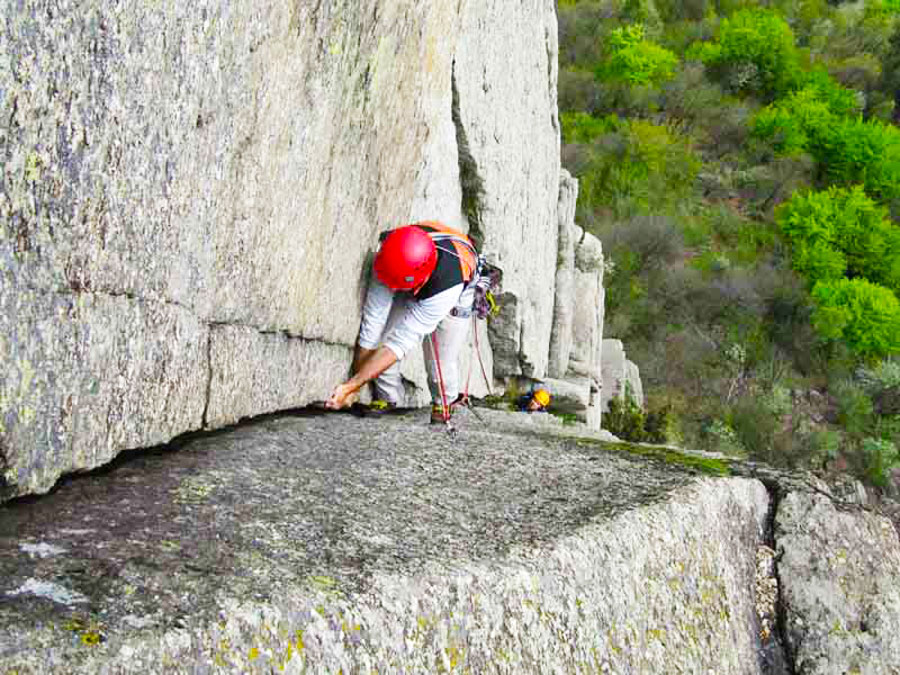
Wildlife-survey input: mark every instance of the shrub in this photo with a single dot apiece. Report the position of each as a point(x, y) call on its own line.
point(755, 54)
point(635, 60)
point(804, 117)
point(682, 10)
point(580, 127)
point(841, 230)
point(881, 376)
point(625, 419)
point(582, 32)
point(579, 91)
point(839, 99)
point(629, 166)
point(854, 151)
point(755, 426)
point(879, 457)
point(629, 422)
point(866, 316)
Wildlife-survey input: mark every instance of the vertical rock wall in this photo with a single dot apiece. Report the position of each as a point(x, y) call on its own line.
point(577, 337)
point(505, 73)
point(191, 193)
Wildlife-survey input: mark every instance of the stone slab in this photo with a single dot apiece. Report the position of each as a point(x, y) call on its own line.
point(318, 544)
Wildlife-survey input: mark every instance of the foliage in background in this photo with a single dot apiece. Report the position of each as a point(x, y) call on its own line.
point(862, 314)
point(841, 232)
point(747, 193)
point(754, 54)
point(635, 60)
point(632, 166)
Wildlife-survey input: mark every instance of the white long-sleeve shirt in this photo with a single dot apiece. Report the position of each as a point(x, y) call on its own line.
point(420, 317)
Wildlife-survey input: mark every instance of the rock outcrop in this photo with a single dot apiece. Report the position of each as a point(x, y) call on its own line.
point(521, 545)
point(316, 544)
point(840, 574)
point(621, 377)
point(191, 193)
point(576, 341)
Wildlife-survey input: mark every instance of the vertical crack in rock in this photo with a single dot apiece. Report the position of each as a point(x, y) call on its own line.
point(469, 179)
point(775, 656)
point(5, 487)
point(204, 420)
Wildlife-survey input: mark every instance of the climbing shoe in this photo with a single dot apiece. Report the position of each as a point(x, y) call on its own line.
point(437, 413)
point(380, 406)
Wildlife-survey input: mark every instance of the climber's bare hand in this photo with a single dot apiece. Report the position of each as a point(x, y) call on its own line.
point(343, 396)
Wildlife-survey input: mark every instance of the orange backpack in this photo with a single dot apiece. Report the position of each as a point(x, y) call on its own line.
point(465, 249)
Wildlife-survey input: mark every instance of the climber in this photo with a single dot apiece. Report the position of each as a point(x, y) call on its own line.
point(422, 286)
point(534, 401)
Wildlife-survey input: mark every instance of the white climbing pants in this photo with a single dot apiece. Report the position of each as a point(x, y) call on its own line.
point(450, 336)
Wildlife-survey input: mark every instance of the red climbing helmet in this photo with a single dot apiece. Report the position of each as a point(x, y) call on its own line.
point(406, 259)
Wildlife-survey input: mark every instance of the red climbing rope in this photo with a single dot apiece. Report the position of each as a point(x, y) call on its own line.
point(445, 409)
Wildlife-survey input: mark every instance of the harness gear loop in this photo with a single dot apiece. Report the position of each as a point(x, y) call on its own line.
point(445, 409)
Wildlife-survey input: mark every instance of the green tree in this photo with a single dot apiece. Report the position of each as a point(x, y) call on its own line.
point(838, 231)
point(636, 60)
point(755, 54)
point(890, 71)
point(864, 315)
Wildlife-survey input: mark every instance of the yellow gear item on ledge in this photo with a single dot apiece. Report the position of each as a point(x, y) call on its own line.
point(542, 396)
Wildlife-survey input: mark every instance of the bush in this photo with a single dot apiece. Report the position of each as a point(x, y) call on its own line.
point(755, 54)
point(579, 91)
point(852, 151)
point(756, 425)
point(582, 32)
point(804, 117)
point(580, 127)
point(879, 457)
point(866, 316)
point(629, 422)
point(838, 99)
point(841, 231)
point(628, 166)
point(635, 60)
point(625, 420)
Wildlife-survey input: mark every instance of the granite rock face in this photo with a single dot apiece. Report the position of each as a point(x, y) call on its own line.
point(180, 176)
point(318, 544)
point(505, 73)
point(840, 576)
point(620, 376)
point(577, 338)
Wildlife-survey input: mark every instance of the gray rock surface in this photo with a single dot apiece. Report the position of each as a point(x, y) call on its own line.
point(577, 336)
point(323, 543)
point(840, 579)
point(89, 374)
point(619, 374)
point(564, 298)
point(182, 174)
point(506, 74)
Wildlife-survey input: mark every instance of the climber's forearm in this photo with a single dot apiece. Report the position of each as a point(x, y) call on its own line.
point(369, 364)
point(360, 356)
